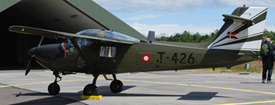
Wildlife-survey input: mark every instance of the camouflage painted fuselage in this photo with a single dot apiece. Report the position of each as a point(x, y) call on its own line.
point(129, 58)
point(238, 41)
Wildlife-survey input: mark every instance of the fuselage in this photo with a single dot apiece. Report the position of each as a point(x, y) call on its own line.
point(140, 57)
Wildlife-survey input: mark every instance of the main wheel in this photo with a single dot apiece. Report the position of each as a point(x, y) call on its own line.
point(116, 86)
point(90, 89)
point(53, 88)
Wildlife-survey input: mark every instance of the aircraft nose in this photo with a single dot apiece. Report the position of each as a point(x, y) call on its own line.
point(50, 51)
point(31, 51)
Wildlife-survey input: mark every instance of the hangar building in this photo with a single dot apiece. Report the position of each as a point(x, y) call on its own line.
point(60, 15)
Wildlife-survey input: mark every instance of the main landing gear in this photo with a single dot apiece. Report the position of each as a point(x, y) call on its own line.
point(91, 89)
point(54, 88)
point(116, 86)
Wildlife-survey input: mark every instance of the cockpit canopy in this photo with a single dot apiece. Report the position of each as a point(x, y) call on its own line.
point(69, 47)
point(106, 34)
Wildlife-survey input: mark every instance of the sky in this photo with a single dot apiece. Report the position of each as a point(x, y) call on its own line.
point(168, 17)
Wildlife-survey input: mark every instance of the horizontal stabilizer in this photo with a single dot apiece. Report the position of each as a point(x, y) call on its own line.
point(235, 17)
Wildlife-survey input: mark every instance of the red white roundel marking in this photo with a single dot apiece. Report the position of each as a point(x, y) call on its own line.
point(146, 58)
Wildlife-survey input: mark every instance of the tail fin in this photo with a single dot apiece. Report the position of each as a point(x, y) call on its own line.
point(242, 30)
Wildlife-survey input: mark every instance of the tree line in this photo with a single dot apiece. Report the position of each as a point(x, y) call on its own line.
point(269, 34)
point(198, 38)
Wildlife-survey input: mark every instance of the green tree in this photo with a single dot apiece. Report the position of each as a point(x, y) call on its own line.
point(185, 36)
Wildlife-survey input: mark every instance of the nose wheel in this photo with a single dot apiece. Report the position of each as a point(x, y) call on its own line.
point(54, 88)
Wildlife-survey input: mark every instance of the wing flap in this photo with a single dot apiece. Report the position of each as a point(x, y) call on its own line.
point(60, 35)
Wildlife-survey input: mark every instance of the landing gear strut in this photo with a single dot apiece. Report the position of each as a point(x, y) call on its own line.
point(116, 86)
point(54, 88)
point(90, 89)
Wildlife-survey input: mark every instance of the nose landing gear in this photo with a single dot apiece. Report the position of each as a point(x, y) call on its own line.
point(54, 88)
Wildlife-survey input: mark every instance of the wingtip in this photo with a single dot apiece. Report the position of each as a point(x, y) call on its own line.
point(10, 28)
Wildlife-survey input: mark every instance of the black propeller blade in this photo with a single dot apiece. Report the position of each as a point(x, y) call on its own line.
point(28, 69)
point(31, 52)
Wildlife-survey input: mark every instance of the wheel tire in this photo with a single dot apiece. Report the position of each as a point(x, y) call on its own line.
point(90, 89)
point(116, 86)
point(53, 88)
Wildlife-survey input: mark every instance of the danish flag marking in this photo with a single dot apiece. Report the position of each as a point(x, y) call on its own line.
point(231, 35)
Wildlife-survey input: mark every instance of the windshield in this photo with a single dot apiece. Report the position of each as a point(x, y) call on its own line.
point(118, 36)
point(81, 43)
point(89, 32)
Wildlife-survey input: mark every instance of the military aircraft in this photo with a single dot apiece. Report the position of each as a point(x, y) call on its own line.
point(98, 51)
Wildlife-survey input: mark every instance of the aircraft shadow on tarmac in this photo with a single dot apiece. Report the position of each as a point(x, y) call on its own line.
point(200, 96)
point(43, 99)
point(53, 100)
point(105, 92)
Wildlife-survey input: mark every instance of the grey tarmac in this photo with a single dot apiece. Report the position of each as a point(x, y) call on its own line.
point(154, 88)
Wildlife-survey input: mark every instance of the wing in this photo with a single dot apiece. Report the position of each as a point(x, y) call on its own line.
point(62, 35)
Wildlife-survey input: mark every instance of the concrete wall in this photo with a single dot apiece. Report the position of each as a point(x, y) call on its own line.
point(105, 17)
point(4, 4)
point(14, 46)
